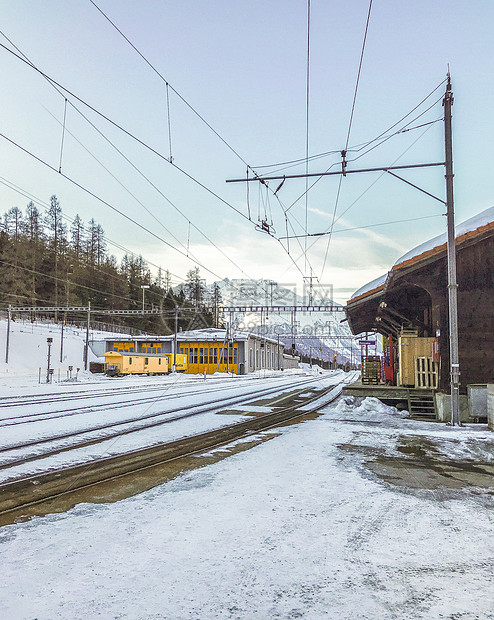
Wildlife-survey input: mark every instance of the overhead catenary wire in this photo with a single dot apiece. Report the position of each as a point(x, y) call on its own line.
point(307, 99)
point(371, 185)
point(358, 75)
point(63, 133)
point(65, 217)
point(189, 105)
point(125, 131)
point(342, 230)
point(102, 201)
point(59, 86)
point(344, 152)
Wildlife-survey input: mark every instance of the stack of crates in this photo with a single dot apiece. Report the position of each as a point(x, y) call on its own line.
point(371, 370)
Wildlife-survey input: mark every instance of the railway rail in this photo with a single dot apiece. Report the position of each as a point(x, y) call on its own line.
point(163, 390)
point(137, 426)
point(34, 491)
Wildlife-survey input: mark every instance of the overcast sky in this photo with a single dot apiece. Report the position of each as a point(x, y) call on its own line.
point(242, 67)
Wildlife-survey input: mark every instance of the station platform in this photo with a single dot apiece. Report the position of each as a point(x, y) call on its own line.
point(420, 403)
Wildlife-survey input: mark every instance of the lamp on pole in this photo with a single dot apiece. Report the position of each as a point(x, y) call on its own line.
point(144, 287)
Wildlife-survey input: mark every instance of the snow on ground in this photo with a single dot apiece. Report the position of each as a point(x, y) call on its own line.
point(28, 351)
point(168, 405)
point(297, 527)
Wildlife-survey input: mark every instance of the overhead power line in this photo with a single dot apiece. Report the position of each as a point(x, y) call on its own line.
point(125, 131)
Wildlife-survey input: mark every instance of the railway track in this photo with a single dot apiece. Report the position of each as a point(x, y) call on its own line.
point(34, 491)
point(139, 424)
point(7, 402)
point(29, 418)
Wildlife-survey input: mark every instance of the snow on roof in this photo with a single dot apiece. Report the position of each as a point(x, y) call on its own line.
point(477, 221)
point(481, 220)
point(375, 284)
point(210, 334)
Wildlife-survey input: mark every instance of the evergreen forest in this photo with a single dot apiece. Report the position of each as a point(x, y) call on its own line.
point(48, 260)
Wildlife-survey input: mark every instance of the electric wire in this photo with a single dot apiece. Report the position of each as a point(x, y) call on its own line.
point(168, 84)
point(65, 217)
point(126, 132)
point(338, 193)
point(188, 253)
point(321, 234)
point(307, 94)
point(102, 201)
point(358, 75)
point(56, 84)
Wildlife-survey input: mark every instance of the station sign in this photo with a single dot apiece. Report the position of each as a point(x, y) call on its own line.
point(365, 343)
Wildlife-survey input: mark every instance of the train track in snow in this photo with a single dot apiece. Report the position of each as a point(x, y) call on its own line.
point(32, 492)
point(79, 439)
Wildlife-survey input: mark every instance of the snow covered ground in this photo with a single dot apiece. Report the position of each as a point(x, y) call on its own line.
point(167, 403)
point(301, 526)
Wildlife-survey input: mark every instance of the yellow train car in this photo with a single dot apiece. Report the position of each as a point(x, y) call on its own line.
point(180, 362)
point(123, 363)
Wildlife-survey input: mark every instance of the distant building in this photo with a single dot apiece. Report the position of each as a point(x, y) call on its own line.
point(210, 350)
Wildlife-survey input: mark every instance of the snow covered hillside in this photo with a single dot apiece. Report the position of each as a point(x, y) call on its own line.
point(28, 349)
point(319, 333)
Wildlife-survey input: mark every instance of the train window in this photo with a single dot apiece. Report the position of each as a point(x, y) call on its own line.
point(251, 358)
point(201, 355)
point(159, 361)
point(210, 356)
point(146, 361)
point(195, 355)
point(130, 360)
point(257, 358)
point(215, 355)
point(235, 356)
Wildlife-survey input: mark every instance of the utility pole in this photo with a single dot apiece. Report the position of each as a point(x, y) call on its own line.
point(451, 250)
point(7, 342)
point(271, 284)
point(174, 369)
point(86, 345)
point(61, 340)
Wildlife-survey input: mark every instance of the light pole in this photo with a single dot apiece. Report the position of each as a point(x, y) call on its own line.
point(48, 341)
point(144, 287)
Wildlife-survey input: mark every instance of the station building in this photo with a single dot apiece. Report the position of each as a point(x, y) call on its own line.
point(408, 306)
point(212, 350)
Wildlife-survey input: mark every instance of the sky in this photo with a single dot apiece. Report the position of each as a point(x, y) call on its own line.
point(237, 96)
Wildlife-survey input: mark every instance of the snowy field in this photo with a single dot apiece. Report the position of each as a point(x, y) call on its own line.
point(298, 527)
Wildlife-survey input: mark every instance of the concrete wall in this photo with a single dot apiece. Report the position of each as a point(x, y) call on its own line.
point(490, 406)
point(443, 407)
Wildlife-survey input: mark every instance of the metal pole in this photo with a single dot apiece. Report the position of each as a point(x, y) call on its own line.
point(175, 342)
point(7, 342)
point(451, 250)
point(61, 342)
point(49, 341)
point(86, 346)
